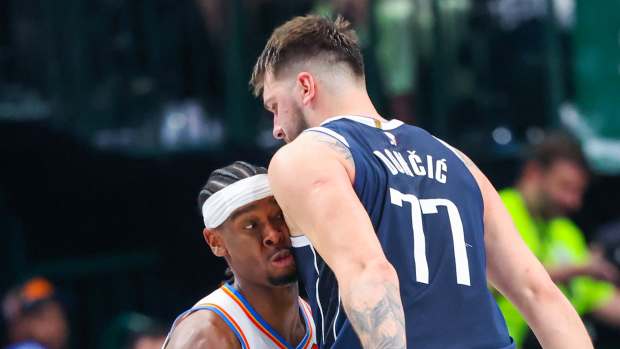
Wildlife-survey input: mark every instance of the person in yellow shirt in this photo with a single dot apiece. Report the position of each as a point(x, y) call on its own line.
point(551, 187)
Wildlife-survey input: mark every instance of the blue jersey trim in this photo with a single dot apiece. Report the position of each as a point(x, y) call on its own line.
point(307, 323)
point(259, 318)
point(223, 317)
point(215, 310)
point(174, 323)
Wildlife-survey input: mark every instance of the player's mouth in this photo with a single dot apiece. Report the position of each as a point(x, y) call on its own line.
point(282, 258)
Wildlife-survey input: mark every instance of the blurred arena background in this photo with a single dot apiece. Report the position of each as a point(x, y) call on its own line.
point(113, 113)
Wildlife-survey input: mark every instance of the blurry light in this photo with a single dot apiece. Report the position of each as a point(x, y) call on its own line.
point(512, 13)
point(502, 135)
point(565, 12)
point(177, 120)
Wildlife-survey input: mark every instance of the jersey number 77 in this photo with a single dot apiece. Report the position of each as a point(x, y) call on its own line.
point(420, 207)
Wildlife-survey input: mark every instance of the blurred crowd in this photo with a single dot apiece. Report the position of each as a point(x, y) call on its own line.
point(551, 183)
point(35, 316)
point(550, 187)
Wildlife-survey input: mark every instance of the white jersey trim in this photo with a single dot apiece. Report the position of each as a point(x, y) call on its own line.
point(316, 292)
point(452, 149)
point(299, 241)
point(329, 132)
point(386, 126)
point(247, 325)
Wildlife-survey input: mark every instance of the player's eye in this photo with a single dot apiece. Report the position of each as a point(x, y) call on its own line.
point(250, 226)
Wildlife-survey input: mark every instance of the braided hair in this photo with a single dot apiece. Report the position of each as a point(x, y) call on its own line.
point(220, 179)
point(225, 176)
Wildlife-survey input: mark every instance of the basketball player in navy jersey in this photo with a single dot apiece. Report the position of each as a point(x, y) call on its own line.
point(401, 230)
point(261, 308)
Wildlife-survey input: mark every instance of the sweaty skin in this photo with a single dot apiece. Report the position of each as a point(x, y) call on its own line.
point(321, 202)
point(249, 240)
point(312, 178)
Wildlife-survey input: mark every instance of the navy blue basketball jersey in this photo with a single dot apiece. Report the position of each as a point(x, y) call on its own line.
point(427, 211)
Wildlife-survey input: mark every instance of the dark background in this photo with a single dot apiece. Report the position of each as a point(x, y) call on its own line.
point(100, 170)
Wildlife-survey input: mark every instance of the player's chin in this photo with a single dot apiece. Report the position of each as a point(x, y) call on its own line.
point(283, 279)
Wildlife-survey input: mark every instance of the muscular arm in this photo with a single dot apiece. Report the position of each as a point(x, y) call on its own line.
point(518, 275)
point(311, 181)
point(203, 329)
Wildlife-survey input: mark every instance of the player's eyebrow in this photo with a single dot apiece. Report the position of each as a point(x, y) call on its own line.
point(266, 103)
point(238, 212)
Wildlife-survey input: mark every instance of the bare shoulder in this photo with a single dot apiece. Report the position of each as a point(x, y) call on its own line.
point(203, 329)
point(311, 149)
point(336, 145)
point(486, 187)
point(475, 171)
point(466, 160)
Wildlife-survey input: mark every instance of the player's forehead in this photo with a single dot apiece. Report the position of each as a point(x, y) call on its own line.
point(264, 205)
point(273, 85)
point(269, 84)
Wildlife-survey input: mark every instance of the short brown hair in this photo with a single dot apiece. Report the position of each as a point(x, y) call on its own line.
point(558, 145)
point(304, 37)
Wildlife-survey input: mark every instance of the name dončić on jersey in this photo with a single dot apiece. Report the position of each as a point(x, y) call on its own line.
point(413, 164)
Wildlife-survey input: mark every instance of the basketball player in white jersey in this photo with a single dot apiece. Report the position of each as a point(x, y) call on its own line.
point(261, 308)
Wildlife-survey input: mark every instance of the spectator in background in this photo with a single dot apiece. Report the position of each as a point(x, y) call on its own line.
point(397, 56)
point(152, 338)
point(34, 316)
point(133, 330)
point(608, 238)
point(394, 47)
point(551, 187)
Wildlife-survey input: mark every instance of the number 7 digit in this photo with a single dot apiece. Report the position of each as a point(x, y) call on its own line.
point(429, 206)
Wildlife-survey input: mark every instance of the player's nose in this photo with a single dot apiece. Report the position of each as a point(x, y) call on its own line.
point(278, 132)
point(273, 236)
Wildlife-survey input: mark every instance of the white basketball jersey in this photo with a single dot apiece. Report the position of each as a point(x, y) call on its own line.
point(248, 326)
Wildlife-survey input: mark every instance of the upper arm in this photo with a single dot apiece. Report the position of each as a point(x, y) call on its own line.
point(312, 184)
point(511, 266)
point(202, 329)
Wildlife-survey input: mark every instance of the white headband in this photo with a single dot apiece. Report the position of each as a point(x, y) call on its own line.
point(220, 205)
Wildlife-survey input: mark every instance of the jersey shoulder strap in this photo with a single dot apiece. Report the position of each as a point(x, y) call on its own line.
point(226, 308)
point(249, 327)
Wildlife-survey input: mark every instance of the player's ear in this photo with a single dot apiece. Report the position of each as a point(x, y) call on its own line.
point(307, 87)
point(215, 242)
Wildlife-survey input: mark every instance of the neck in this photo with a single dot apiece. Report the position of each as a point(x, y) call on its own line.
point(279, 306)
point(352, 101)
point(529, 191)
